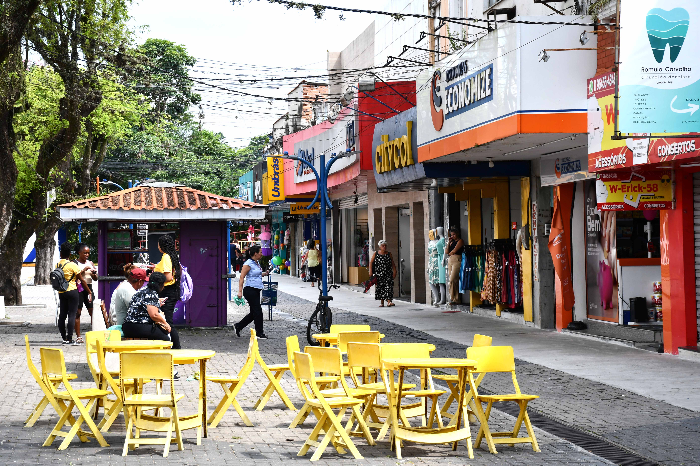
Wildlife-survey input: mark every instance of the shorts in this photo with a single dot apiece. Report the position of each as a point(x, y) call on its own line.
point(83, 300)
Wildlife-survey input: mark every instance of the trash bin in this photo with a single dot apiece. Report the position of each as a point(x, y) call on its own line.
point(638, 310)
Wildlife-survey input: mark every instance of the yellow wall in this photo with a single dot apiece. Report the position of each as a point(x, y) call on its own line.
point(526, 265)
point(474, 228)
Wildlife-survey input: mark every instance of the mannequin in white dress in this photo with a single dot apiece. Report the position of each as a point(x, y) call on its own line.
point(442, 264)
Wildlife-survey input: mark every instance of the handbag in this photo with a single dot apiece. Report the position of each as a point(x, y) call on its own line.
point(369, 283)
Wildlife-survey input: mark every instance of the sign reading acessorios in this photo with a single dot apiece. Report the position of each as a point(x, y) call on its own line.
point(635, 190)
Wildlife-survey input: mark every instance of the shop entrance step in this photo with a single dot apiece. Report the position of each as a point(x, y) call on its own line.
point(690, 353)
point(648, 337)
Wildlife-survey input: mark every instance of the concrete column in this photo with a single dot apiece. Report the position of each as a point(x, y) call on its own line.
point(474, 237)
point(542, 267)
point(435, 200)
point(391, 235)
point(526, 249)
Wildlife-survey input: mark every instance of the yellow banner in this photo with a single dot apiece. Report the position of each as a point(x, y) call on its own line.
point(300, 208)
point(635, 190)
point(275, 179)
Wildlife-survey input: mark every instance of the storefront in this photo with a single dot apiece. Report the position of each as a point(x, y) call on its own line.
point(641, 254)
point(350, 132)
point(131, 221)
point(494, 115)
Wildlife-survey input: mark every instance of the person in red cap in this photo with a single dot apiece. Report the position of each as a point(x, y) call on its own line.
point(121, 298)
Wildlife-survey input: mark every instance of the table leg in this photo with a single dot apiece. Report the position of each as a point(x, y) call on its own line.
point(203, 393)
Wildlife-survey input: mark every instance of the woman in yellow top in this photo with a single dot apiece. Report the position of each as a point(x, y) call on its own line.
point(69, 299)
point(313, 260)
point(169, 266)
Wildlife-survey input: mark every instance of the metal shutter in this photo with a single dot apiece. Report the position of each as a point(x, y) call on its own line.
point(349, 202)
point(696, 228)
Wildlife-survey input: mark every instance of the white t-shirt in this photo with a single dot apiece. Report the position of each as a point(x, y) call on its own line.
point(121, 298)
point(87, 276)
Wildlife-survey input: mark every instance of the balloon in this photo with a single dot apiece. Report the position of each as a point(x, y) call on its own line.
point(282, 267)
point(277, 260)
point(287, 263)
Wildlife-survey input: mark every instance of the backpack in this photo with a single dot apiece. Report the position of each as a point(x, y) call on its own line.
point(186, 285)
point(58, 278)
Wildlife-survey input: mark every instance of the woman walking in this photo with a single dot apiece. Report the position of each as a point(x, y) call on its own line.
point(169, 266)
point(69, 299)
point(313, 260)
point(144, 319)
point(89, 273)
point(383, 267)
point(252, 273)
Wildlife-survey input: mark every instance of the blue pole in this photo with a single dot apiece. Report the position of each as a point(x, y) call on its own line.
point(324, 252)
point(80, 232)
point(228, 241)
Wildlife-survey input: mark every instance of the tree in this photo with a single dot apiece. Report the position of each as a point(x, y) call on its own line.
point(75, 38)
point(14, 17)
point(164, 78)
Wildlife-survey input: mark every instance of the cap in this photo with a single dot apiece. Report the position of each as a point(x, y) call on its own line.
point(139, 274)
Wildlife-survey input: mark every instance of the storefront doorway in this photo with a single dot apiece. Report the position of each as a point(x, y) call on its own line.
point(404, 259)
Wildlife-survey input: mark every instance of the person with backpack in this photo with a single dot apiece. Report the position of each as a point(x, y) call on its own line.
point(169, 266)
point(251, 276)
point(64, 280)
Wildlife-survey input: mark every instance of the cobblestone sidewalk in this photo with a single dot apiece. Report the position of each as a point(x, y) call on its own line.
point(269, 441)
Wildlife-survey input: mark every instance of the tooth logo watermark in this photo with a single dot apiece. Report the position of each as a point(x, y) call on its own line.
point(667, 28)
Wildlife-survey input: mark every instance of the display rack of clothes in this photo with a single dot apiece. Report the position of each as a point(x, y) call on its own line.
point(502, 276)
point(471, 273)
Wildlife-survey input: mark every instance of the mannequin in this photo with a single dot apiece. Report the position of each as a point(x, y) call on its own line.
point(433, 266)
point(442, 263)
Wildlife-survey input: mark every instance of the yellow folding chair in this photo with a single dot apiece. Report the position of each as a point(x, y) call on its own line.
point(426, 391)
point(52, 364)
point(273, 372)
point(48, 398)
point(138, 366)
point(232, 385)
point(452, 381)
point(93, 364)
point(330, 422)
point(493, 359)
point(364, 363)
point(322, 381)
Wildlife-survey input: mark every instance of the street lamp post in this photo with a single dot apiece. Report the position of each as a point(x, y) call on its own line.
point(322, 191)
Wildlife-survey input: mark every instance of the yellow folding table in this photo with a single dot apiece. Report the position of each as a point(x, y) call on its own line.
point(448, 434)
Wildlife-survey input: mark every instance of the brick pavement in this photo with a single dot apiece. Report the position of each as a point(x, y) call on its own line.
point(232, 442)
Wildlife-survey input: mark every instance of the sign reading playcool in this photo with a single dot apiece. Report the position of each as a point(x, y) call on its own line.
point(332, 138)
point(635, 190)
point(660, 66)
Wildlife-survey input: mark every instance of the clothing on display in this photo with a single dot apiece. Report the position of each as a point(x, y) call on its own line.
point(434, 263)
point(471, 275)
point(440, 244)
point(502, 276)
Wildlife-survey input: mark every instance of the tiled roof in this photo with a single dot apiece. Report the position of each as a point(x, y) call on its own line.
point(160, 196)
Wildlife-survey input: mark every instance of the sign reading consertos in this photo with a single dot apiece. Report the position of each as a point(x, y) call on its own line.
point(659, 84)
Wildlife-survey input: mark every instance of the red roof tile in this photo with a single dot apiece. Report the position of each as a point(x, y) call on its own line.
point(161, 196)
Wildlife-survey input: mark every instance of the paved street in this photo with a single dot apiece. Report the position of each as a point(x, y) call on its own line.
point(649, 429)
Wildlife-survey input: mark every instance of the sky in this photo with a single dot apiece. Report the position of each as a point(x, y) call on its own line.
point(249, 40)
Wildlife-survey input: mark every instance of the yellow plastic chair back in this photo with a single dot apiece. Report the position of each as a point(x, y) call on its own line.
point(482, 340)
point(32, 368)
point(91, 339)
point(145, 365)
point(406, 350)
point(327, 360)
point(52, 363)
point(305, 374)
point(356, 337)
point(336, 329)
point(292, 347)
point(364, 355)
point(492, 358)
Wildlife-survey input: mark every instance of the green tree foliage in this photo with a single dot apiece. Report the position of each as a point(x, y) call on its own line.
point(164, 78)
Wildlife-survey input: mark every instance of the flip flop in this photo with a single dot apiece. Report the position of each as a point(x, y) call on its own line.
point(381, 305)
point(79, 340)
point(390, 305)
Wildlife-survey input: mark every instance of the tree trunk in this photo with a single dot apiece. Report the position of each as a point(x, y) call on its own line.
point(45, 247)
point(11, 261)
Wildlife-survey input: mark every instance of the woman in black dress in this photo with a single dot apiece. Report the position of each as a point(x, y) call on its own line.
point(383, 267)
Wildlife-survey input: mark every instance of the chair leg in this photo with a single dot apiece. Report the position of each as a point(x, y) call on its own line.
point(530, 430)
point(110, 416)
point(31, 420)
point(484, 431)
point(301, 416)
point(344, 435)
point(169, 436)
point(178, 431)
point(222, 407)
point(59, 425)
point(241, 413)
point(279, 390)
point(363, 425)
point(313, 437)
point(84, 410)
point(267, 393)
point(129, 427)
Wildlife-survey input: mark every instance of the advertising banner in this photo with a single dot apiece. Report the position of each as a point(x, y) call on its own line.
point(659, 84)
point(601, 255)
point(561, 255)
point(558, 170)
point(336, 137)
point(604, 153)
point(635, 190)
point(275, 179)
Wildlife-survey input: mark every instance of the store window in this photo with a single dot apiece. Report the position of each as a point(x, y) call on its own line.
point(637, 236)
